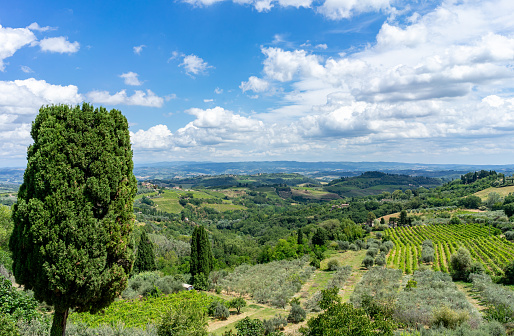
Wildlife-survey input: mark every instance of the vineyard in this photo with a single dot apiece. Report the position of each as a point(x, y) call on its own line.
point(483, 242)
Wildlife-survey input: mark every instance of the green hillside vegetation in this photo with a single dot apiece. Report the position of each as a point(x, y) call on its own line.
point(374, 183)
point(277, 244)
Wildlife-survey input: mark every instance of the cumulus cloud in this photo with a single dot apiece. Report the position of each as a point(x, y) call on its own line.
point(20, 100)
point(139, 98)
point(194, 65)
point(13, 39)
point(156, 137)
point(59, 44)
point(130, 78)
point(254, 84)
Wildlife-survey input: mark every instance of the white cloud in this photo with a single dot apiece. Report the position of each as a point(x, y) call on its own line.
point(156, 137)
point(254, 84)
point(35, 26)
point(138, 49)
point(345, 9)
point(194, 65)
point(11, 40)
point(333, 9)
point(26, 69)
point(208, 100)
point(59, 44)
point(130, 78)
point(139, 98)
point(218, 90)
point(321, 46)
point(20, 100)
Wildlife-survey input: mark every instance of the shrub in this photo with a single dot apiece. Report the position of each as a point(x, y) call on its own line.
point(333, 265)
point(345, 245)
point(275, 323)
point(368, 262)
point(249, 327)
point(461, 264)
point(372, 252)
point(188, 318)
point(312, 304)
point(509, 235)
point(380, 260)
point(449, 318)
point(221, 311)
point(353, 247)
point(297, 314)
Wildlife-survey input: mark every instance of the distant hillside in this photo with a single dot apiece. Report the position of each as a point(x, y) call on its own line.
point(374, 183)
point(228, 181)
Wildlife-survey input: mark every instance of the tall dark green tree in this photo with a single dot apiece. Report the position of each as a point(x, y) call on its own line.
point(201, 257)
point(300, 237)
point(74, 215)
point(145, 258)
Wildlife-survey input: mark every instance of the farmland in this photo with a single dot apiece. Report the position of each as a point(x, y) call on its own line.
point(484, 243)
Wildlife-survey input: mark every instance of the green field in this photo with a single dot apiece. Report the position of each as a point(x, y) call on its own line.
point(492, 251)
point(504, 191)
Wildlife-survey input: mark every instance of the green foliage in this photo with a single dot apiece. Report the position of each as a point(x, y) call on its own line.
point(220, 311)
point(297, 314)
point(343, 319)
point(461, 264)
point(320, 237)
point(449, 318)
point(411, 284)
point(16, 304)
point(249, 327)
point(201, 258)
point(267, 283)
point(187, 319)
point(333, 265)
point(238, 303)
point(368, 262)
point(145, 258)
point(508, 277)
point(73, 217)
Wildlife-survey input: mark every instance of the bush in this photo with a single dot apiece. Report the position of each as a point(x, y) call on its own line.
point(372, 252)
point(221, 311)
point(333, 265)
point(509, 235)
point(273, 324)
point(297, 314)
point(461, 264)
point(249, 327)
point(353, 247)
point(368, 262)
point(380, 260)
point(185, 319)
point(449, 318)
point(343, 245)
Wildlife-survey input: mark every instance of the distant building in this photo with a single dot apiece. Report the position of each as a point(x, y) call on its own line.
point(188, 287)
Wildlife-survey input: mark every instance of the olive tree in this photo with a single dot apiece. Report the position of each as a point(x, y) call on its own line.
point(74, 215)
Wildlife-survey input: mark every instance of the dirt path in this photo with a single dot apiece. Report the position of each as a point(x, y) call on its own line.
point(470, 295)
point(233, 318)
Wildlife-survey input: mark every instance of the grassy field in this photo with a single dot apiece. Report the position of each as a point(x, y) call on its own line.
point(225, 207)
point(504, 191)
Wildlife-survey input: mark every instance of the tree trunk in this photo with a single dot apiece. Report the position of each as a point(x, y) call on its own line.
point(59, 321)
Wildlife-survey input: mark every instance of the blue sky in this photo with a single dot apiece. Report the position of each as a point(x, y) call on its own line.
point(251, 80)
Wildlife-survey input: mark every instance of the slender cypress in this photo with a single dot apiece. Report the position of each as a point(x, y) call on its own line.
point(201, 255)
point(145, 258)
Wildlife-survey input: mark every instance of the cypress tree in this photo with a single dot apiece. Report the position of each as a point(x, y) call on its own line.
point(145, 258)
point(300, 237)
point(74, 214)
point(201, 257)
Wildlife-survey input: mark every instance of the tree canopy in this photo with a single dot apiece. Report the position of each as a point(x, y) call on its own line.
point(74, 212)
